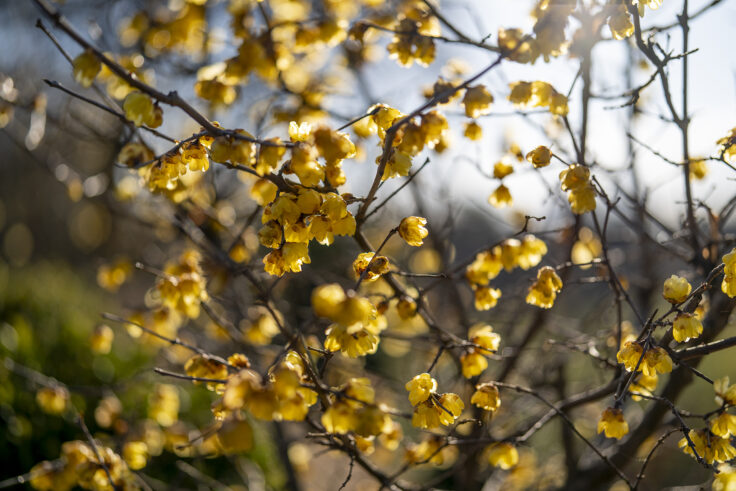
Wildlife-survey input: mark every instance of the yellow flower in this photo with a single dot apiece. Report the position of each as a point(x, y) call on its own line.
point(216, 92)
point(427, 450)
point(500, 197)
point(724, 392)
point(239, 389)
point(376, 266)
point(629, 355)
point(391, 436)
point(426, 415)
point(486, 266)
point(574, 177)
point(686, 327)
point(728, 286)
point(163, 404)
point(473, 131)
point(724, 425)
point(406, 308)
point(334, 146)
point(521, 93)
point(644, 384)
point(539, 157)
point(483, 336)
point(139, 109)
point(620, 24)
point(486, 396)
point(450, 407)
point(613, 424)
point(486, 298)
point(235, 436)
point(339, 418)
point(502, 455)
point(86, 66)
point(531, 252)
point(101, 339)
point(544, 291)
point(53, 400)
point(725, 480)
point(728, 145)
point(327, 300)
point(510, 41)
point(412, 230)
point(501, 169)
point(477, 101)
point(203, 367)
point(420, 388)
point(473, 363)
point(361, 342)
point(135, 455)
point(709, 447)
point(536, 94)
point(698, 169)
point(582, 200)
point(676, 289)
point(656, 360)
point(194, 154)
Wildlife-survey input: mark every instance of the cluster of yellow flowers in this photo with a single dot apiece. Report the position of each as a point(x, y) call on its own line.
point(538, 94)
point(728, 285)
point(112, 276)
point(353, 409)
point(650, 362)
point(261, 329)
point(164, 173)
point(292, 220)
point(162, 320)
point(428, 130)
point(182, 286)
point(714, 444)
point(413, 39)
point(163, 404)
point(356, 322)
point(576, 180)
point(87, 67)
point(551, 19)
point(79, 466)
point(432, 409)
point(201, 366)
point(508, 255)
point(181, 30)
point(431, 450)
point(709, 447)
point(544, 290)
point(282, 395)
point(485, 341)
point(686, 326)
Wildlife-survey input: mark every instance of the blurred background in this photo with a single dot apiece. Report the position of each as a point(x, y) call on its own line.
point(72, 218)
